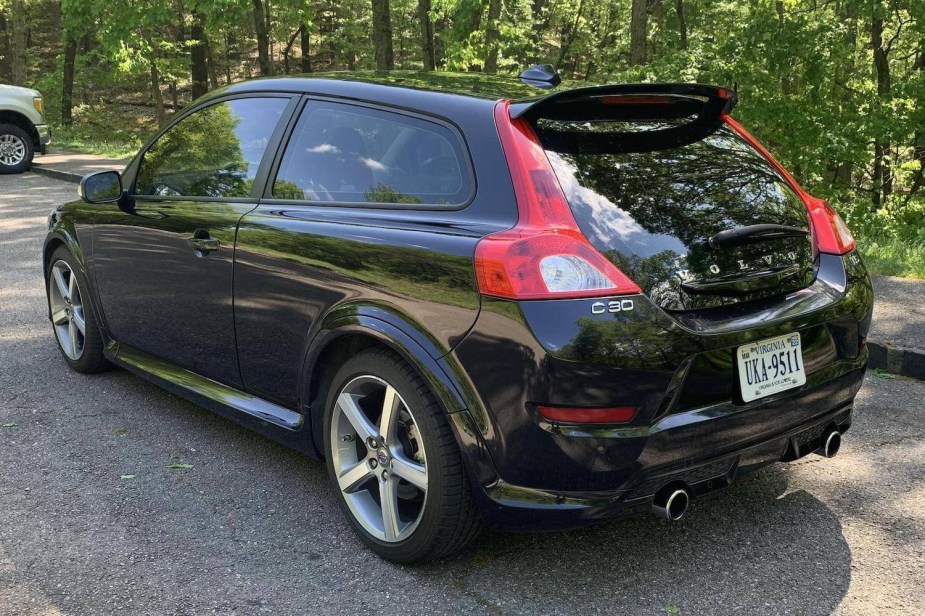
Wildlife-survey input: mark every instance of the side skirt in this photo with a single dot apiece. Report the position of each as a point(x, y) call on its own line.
point(281, 424)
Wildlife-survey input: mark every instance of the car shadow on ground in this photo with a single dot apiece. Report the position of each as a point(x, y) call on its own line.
point(753, 546)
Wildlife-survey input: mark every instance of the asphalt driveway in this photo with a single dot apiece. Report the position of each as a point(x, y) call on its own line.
point(93, 519)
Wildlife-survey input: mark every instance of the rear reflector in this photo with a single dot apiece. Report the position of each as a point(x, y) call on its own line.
point(609, 415)
point(830, 233)
point(545, 255)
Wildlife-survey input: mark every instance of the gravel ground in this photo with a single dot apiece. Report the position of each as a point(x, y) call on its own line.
point(252, 528)
point(899, 312)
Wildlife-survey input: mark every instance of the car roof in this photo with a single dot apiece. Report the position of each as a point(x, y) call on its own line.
point(378, 85)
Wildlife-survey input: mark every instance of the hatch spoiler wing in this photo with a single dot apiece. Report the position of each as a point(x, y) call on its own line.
point(701, 107)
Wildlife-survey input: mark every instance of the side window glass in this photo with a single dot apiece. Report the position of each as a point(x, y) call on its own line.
point(214, 152)
point(350, 154)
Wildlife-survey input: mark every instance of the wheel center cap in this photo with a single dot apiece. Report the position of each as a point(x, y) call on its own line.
point(383, 457)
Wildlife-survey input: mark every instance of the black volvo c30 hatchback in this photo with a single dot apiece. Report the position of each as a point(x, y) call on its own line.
point(477, 301)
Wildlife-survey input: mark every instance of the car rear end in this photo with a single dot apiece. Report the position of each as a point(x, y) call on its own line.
point(671, 310)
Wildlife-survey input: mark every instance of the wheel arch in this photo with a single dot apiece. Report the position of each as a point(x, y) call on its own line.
point(351, 329)
point(15, 118)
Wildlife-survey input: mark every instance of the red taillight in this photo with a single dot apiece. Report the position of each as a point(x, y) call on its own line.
point(830, 233)
point(545, 255)
point(609, 415)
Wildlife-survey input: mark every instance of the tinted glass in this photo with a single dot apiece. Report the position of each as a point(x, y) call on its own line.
point(214, 152)
point(349, 154)
point(653, 212)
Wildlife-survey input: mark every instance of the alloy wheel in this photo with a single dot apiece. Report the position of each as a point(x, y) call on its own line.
point(12, 150)
point(67, 310)
point(379, 459)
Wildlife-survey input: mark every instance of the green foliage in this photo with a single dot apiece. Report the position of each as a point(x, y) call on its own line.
point(805, 71)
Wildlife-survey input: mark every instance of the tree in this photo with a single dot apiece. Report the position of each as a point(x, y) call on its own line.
point(427, 35)
point(18, 35)
point(638, 26)
point(67, 79)
point(491, 38)
point(382, 35)
point(199, 69)
point(263, 38)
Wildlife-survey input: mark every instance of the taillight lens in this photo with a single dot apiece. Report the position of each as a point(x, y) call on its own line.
point(545, 255)
point(830, 233)
point(608, 415)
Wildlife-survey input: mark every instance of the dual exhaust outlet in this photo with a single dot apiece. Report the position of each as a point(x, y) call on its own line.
point(671, 502)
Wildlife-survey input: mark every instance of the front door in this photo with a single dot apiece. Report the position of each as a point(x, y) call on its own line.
point(163, 271)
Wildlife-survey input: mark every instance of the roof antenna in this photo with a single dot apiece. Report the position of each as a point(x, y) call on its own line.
point(542, 76)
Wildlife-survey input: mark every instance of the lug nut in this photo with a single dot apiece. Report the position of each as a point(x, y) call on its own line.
point(372, 442)
point(385, 475)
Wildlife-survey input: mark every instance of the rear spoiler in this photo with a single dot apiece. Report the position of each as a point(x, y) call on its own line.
point(706, 105)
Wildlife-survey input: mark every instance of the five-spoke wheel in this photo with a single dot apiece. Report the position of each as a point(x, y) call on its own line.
point(379, 458)
point(393, 460)
point(76, 330)
point(67, 310)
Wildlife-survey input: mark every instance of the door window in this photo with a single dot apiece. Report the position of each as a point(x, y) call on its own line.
point(350, 154)
point(213, 152)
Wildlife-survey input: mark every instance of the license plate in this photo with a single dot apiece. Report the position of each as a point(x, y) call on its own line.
point(770, 366)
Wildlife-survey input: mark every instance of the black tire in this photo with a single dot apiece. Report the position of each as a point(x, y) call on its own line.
point(11, 130)
point(449, 521)
point(91, 360)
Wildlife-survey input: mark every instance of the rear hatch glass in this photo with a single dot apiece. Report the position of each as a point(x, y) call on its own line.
point(695, 224)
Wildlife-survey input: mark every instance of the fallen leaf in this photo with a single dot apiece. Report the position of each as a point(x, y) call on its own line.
point(12, 424)
point(127, 477)
point(883, 374)
point(182, 465)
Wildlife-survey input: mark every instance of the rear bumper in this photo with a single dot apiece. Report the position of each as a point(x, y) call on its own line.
point(679, 371)
point(705, 450)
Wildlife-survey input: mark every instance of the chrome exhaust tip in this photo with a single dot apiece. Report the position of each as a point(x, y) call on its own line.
point(671, 504)
point(830, 445)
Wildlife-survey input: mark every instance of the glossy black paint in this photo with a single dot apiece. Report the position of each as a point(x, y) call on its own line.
point(251, 328)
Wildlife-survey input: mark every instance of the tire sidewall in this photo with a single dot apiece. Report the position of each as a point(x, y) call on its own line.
point(423, 410)
point(25, 163)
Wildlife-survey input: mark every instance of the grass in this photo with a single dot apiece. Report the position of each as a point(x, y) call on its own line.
point(118, 131)
point(894, 257)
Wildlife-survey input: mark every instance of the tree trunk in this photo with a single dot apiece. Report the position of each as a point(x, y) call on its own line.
point(67, 81)
point(537, 11)
point(491, 37)
point(427, 35)
point(682, 23)
point(382, 35)
point(18, 35)
point(210, 62)
point(199, 68)
point(882, 175)
point(159, 113)
point(287, 50)
point(263, 38)
point(305, 43)
point(918, 140)
point(638, 18)
point(570, 36)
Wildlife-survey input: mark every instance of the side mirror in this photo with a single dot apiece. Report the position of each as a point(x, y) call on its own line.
point(101, 187)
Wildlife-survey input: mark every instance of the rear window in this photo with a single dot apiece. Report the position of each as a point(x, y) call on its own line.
point(341, 153)
point(645, 203)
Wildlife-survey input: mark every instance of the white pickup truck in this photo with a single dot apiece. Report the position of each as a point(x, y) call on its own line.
point(23, 131)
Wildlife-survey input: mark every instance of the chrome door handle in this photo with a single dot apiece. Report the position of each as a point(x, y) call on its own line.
point(203, 243)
